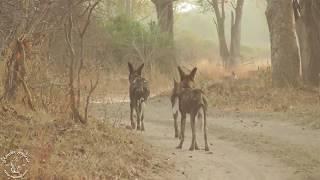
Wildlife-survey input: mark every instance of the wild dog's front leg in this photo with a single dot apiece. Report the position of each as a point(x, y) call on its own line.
point(142, 116)
point(133, 125)
point(205, 130)
point(142, 121)
point(175, 113)
point(193, 128)
point(138, 116)
point(183, 125)
point(176, 129)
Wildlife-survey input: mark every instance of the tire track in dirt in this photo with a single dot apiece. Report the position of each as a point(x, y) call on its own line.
point(223, 162)
point(227, 159)
point(260, 152)
point(297, 147)
point(305, 160)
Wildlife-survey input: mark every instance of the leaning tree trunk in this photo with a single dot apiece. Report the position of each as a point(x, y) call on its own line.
point(165, 16)
point(236, 33)
point(308, 30)
point(284, 48)
point(17, 52)
point(303, 42)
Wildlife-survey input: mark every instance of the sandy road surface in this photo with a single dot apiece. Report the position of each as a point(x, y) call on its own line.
point(243, 146)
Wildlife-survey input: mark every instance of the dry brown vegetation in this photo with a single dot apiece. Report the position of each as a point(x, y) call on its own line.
point(56, 55)
point(252, 91)
point(61, 73)
point(61, 149)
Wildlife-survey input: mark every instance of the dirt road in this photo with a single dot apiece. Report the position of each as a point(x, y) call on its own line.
point(243, 146)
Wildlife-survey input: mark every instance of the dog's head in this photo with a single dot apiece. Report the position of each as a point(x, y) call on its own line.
point(134, 73)
point(187, 80)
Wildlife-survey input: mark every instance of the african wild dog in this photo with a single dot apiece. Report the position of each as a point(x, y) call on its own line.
point(175, 109)
point(138, 93)
point(191, 101)
point(188, 82)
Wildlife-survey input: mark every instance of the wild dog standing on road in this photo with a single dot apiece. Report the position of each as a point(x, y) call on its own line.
point(187, 83)
point(191, 101)
point(138, 92)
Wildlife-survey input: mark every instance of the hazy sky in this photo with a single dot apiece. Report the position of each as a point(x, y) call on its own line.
point(254, 25)
point(185, 7)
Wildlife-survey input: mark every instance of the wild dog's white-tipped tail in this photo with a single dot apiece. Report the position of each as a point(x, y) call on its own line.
point(143, 102)
point(200, 118)
point(142, 105)
point(175, 106)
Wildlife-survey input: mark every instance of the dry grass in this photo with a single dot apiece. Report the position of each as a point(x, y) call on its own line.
point(60, 149)
point(248, 95)
point(115, 87)
point(252, 91)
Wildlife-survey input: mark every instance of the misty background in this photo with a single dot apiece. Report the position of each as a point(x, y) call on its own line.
point(197, 25)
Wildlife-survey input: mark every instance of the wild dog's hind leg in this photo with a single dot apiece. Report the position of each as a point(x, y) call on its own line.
point(196, 145)
point(198, 119)
point(193, 128)
point(205, 130)
point(142, 121)
point(133, 125)
point(183, 125)
point(138, 116)
point(176, 129)
point(142, 116)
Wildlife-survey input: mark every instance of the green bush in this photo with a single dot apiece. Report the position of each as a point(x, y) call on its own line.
point(124, 30)
point(132, 40)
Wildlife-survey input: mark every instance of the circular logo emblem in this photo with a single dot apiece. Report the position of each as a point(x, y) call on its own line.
point(16, 164)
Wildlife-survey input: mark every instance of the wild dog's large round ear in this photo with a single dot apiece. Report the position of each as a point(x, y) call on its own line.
point(139, 70)
point(192, 75)
point(181, 73)
point(130, 67)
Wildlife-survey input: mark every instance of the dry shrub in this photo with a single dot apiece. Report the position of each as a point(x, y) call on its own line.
point(159, 82)
point(114, 87)
point(252, 90)
point(60, 149)
point(212, 70)
point(47, 84)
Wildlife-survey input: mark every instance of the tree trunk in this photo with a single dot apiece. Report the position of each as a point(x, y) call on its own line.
point(308, 30)
point(126, 6)
point(165, 16)
point(129, 6)
point(223, 47)
point(220, 24)
point(303, 46)
point(236, 34)
point(284, 48)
